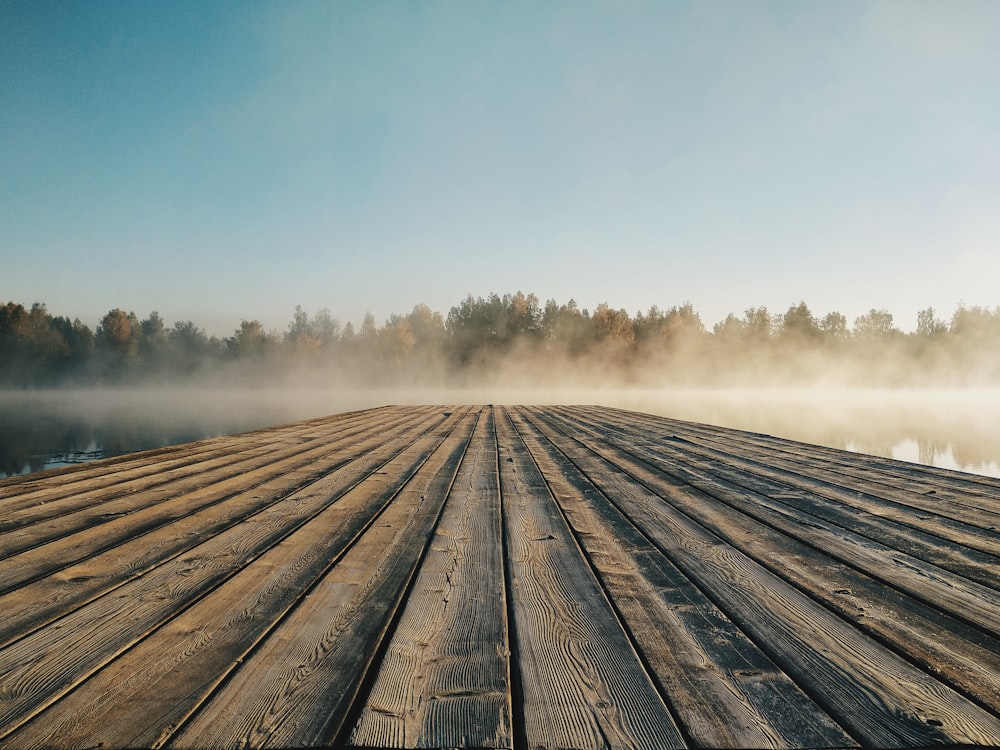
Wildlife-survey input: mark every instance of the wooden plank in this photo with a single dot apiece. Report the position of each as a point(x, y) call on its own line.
point(968, 497)
point(44, 665)
point(55, 590)
point(445, 678)
point(724, 689)
point(140, 698)
point(389, 580)
point(45, 486)
point(880, 470)
point(582, 683)
point(298, 687)
point(955, 594)
point(966, 658)
point(106, 500)
point(938, 517)
point(152, 514)
point(41, 486)
point(880, 698)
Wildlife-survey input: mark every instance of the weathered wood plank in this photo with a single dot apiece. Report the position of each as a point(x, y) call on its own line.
point(445, 678)
point(964, 657)
point(167, 677)
point(879, 470)
point(968, 497)
point(892, 511)
point(582, 683)
point(297, 688)
point(723, 688)
point(281, 477)
point(390, 579)
point(939, 491)
point(955, 594)
point(877, 696)
point(34, 526)
point(44, 665)
point(17, 492)
point(25, 490)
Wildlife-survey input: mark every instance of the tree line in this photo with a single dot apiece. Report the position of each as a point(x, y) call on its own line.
point(511, 338)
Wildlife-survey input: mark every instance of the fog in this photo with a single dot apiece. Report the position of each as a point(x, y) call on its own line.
point(949, 428)
point(929, 395)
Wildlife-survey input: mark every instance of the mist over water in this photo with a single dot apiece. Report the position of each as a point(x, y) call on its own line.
point(928, 396)
point(954, 429)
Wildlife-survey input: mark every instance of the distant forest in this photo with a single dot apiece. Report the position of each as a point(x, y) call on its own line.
point(513, 340)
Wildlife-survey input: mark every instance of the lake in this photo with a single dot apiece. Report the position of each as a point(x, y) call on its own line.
point(951, 429)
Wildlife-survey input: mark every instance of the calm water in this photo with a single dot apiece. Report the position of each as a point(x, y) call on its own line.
point(951, 429)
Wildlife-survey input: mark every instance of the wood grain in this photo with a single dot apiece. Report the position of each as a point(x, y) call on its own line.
point(583, 684)
point(502, 577)
point(297, 687)
point(444, 681)
point(877, 696)
point(45, 664)
point(722, 687)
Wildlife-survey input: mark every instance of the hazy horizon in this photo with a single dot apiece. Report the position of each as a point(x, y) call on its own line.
point(946, 428)
point(512, 340)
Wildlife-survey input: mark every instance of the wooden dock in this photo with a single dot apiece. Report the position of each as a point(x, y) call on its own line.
point(499, 577)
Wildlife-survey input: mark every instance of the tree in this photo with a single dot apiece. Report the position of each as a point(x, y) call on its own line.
point(928, 324)
point(304, 338)
point(298, 329)
point(974, 338)
point(482, 329)
point(834, 326)
point(118, 333)
point(683, 322)
point(731, 329)
point(152, 342)
point(522, 315)
point(325, 328)
point(427, 327)
point(565, 327)
point(32, 350)
point(874, 324)
point(117, 343)
point(798, 323)
point(190, 348)
point(612, 327)
point(80, 344)
point(396, 340)
point(249, 341)
point(975, 323)
point(757, 322)
point(369, 331)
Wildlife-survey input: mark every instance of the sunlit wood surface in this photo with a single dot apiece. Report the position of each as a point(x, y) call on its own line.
point(499, 577)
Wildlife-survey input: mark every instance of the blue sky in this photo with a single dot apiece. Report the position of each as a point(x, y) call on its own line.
point(216, 161)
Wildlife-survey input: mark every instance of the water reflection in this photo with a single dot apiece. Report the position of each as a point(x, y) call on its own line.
point(44, 430)
point(951, 429)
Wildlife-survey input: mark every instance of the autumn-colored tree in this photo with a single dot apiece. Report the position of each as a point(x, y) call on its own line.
point(37, 349)
point(612, 327)
point(118, 334)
